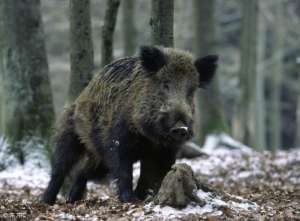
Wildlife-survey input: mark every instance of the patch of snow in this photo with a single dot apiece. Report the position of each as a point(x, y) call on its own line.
point(6, 158)
point(66, 216)
point(170, 212)
point(21, 176)
point(214, 204)
point(34, 173)
point(282, 158)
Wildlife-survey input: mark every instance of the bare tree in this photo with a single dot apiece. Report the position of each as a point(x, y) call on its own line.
point(260, 115)
point(161, 22)
point(209, 111)
point(108, 29)
point(82, 55)
point(1, 83)
point(276, 79)
point(129, 29)
point(298, 107)
point(243, 128)
point(27, 100)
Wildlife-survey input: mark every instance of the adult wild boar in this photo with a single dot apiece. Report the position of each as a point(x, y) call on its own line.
point(135, 109)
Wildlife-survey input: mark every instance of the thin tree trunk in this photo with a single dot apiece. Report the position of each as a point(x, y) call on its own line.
point(129, 30)
point(210, 118)
point(260, 115)
point(82, 55)
point(243, 125)
point(275, 115)
point(297, 140)
point(110, 19)
point(1, 83)
point(298, 107)
point(28, 106)
point(298, 118)
point(161, 22)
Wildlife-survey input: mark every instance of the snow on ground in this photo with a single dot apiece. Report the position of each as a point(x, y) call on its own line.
point(227, 162)
point(34, 173)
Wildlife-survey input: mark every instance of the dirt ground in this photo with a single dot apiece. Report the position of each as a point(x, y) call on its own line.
point(269, 181)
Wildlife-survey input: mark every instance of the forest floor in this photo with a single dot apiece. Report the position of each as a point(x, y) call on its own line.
point(250, 185)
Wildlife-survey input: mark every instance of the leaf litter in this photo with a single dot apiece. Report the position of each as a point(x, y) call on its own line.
point(242, 184)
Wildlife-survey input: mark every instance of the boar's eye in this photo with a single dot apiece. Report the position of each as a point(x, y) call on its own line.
point(166, 85)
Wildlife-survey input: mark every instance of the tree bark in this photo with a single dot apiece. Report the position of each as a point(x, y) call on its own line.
point(27, 99)
point(129, 29)
point(209, 112)
point(297, 143)
point(82, 55)
point(161, 22)
point(110, 19)
point(276, 80)
point(1, 78)
point(243, 126)
point(260, 112)
point(298, 118)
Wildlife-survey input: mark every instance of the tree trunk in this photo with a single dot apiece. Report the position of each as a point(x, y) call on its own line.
point(297, 143)
point(298, 117)
point(243, 126)
point(210, 118)
point(82, 55)
point(260, 115)
point(298, 112)
point(1, 80)
point(278, 44)
point(161, 22)
point(27, 99)
point(129, 30)
point(108, 29)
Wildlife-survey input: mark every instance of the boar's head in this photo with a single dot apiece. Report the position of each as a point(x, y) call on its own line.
point(164, 106)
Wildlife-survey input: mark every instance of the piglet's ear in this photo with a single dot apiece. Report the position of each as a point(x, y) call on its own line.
point(206, 67)
point(152, 59)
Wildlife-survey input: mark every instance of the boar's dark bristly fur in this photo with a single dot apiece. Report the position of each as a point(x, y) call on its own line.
point(135, 109)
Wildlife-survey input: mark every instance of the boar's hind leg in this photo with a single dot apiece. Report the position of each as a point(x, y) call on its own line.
point(67, 152)
point(89, 172)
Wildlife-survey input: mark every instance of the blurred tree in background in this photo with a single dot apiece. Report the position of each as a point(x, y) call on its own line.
point(244, 123)
point(108, 29)
point(81, 47)
point(161, 22)
point(209, 115)
point(260, 103)
point(128, 26)
point(276, 79)
point(253, 96)
point(298, 106)
point(26, 97)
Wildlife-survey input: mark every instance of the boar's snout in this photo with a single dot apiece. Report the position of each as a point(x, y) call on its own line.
point(180, 132)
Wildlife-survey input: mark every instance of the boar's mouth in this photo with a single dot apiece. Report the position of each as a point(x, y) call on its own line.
point(175, 135)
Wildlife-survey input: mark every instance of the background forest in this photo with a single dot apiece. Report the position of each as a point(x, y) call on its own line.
point(255, 97)
point(49, 51)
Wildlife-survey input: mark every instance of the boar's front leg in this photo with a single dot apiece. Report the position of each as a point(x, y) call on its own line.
point(125, 176)
point(121, 165)
point(119, 161)
point(155, 165)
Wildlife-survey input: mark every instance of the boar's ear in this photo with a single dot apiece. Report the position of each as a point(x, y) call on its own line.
point(152, 59)
point(206, 67)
